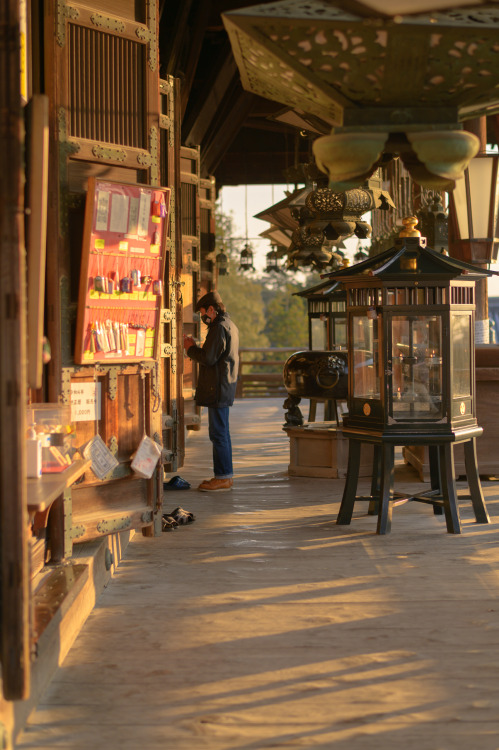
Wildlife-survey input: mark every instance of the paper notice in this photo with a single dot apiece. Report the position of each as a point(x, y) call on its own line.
point(133, 217)
point(144, 213)
point(102, 211)
point(119, 214)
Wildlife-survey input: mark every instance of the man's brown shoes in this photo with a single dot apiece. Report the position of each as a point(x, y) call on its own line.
point(215, 485)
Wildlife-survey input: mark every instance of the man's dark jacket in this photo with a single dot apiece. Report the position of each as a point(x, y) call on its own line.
point(218, 360)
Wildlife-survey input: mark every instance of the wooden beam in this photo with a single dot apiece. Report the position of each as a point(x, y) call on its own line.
point(224, 128)
point(172, 33)
point(207, 108)
point(197, 37)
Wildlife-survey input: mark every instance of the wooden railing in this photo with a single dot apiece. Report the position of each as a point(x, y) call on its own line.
point(265, 379)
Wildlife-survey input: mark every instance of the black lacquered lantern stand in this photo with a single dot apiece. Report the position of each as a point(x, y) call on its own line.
point(411, 373)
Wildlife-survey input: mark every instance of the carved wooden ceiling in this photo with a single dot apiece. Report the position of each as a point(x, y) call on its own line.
point(244, 137)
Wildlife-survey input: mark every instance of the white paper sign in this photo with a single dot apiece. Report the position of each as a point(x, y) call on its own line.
point(102, 211)
point(144, 213)
point(85, 402)
point(133, 218)
point(119, 214)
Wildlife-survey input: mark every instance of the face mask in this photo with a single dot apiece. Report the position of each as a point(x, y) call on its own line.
point(206, 319)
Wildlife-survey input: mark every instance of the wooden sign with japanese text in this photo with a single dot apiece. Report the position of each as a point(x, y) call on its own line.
point(122, 267)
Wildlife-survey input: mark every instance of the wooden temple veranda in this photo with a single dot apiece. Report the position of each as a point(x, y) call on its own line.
point(119, 122)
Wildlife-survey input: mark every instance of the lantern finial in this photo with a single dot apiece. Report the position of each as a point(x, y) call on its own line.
point(410, 227)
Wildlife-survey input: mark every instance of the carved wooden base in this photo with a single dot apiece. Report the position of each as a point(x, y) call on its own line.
point(322, 451)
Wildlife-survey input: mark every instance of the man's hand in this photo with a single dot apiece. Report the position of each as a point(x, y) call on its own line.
point(188, 342)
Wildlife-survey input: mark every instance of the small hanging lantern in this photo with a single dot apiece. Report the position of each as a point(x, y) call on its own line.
point(246, 259)
point(222, 264)
point(273, 261)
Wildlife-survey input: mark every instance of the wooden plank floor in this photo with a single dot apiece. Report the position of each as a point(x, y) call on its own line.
point(263, 624)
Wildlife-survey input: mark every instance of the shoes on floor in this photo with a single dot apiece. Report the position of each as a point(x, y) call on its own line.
point(168, 523)
point(216, 485)
point(182, 516)
point(176, 483)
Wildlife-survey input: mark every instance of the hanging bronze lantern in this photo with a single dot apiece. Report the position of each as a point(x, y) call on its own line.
point(246, 259)
point(328, 217)
point(273, 265)
point(222, 263)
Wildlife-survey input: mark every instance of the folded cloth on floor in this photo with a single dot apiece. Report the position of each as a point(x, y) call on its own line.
point(176, 483)
point(182, 516)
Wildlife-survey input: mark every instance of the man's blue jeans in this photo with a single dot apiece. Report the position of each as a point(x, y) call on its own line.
point(218, 430)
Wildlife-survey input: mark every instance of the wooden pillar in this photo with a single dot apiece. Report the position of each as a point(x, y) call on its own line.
point(478, 127)
point(14, 582)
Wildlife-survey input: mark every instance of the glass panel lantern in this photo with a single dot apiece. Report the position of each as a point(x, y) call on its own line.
point(416, 354)
point(327, 317)
point(365, 352)
point(411, 342)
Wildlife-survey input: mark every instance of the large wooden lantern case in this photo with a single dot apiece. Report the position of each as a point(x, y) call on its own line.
point(411, 333)
point(411, 363)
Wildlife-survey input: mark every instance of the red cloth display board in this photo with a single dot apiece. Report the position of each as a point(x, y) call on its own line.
point(122, 268)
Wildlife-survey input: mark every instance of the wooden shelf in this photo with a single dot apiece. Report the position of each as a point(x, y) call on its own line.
point(43, 491)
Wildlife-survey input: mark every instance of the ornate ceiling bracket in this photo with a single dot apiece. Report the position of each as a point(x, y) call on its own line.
point(165, 87)
point(106, 22)
point(109, 154)
point(64, 12)
point(149, 35)
point(150, 159)
point(164, 122)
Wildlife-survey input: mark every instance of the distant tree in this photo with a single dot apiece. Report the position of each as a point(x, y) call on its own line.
point(243, 299)
point(242, 294)
point(287, 320)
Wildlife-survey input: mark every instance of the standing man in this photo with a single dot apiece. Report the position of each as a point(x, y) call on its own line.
point(218, 361)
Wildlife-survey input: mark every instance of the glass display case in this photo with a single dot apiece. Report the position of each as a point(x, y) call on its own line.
point(327, 316)
point(365, 354)
point(416, 365)
point(411, 374)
